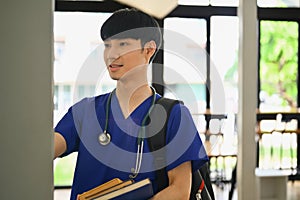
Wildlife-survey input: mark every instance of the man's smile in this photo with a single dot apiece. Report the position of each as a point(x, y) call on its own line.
point(115, 67)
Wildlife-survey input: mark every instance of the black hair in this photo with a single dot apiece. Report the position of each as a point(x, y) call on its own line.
point(132, 23)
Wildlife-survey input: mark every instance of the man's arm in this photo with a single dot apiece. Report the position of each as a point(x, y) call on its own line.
point(60, 145)
point(180, 181)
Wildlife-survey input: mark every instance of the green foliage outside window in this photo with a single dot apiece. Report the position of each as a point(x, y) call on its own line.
point(64, 170)
point(278, 61)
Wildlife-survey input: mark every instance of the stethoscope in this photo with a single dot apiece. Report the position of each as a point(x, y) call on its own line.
point(105, 138)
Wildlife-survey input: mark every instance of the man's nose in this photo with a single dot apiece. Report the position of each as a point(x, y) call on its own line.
point(113, 53)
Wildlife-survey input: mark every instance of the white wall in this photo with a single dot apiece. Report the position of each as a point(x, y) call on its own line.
point(26, 99)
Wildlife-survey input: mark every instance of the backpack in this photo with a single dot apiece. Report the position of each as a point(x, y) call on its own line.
point(201, 183)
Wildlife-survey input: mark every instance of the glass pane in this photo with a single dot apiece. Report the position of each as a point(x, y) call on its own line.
point(85, 91)
point(185, 61)
point(278, 3)
point(224, 2)
point(79, 71)
point(55, 97)
point(59, 47)
point(278, 66)
point(193, 2)
point(224, 60)
point(224, 78)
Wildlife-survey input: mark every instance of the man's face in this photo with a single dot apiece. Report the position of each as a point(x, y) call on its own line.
point(123, 55)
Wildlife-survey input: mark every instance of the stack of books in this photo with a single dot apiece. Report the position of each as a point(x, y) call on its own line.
point(117, 189)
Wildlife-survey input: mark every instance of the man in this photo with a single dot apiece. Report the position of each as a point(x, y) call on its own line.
point(107, 130)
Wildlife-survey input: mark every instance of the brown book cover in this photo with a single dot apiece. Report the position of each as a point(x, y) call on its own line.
point(97, 190)
point(111, 189)
point(134, 191)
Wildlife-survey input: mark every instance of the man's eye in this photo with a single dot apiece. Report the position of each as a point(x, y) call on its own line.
point(106, 45)
point(123, 44)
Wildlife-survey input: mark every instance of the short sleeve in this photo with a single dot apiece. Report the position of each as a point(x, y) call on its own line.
point(183, 140)
point(67, 128)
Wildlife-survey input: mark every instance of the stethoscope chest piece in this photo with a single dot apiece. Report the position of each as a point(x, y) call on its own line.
point(104, 138)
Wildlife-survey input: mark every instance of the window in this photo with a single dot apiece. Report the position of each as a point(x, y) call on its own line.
point(278, 3)
point(224, 58)
point(278, 66)
point(224, 94)
point(224, 2)
point(193, 2)
point(85, 91)
point(59, 47)
point(185, 61)
point(209, 2)
point(55, 97)
point(278, 93)
point(77, 45)
point(62, 100)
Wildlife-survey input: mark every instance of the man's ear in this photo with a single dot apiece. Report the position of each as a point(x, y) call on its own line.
point(150, 48)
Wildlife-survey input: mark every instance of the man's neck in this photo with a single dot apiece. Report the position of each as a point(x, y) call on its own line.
point(132, 89)
point(130, 96)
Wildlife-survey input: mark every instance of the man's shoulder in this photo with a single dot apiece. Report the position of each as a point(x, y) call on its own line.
point(90, 102)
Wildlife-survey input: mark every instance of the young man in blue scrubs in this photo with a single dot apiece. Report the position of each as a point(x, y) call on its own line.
point(106, 130)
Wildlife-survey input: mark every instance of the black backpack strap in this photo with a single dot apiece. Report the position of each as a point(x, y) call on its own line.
point(205, 174)
point(158, 140)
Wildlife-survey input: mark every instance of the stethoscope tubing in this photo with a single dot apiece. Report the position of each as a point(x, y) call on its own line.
point(105, 137)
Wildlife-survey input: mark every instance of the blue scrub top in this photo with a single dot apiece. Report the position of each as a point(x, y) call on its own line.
point(97, 164)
